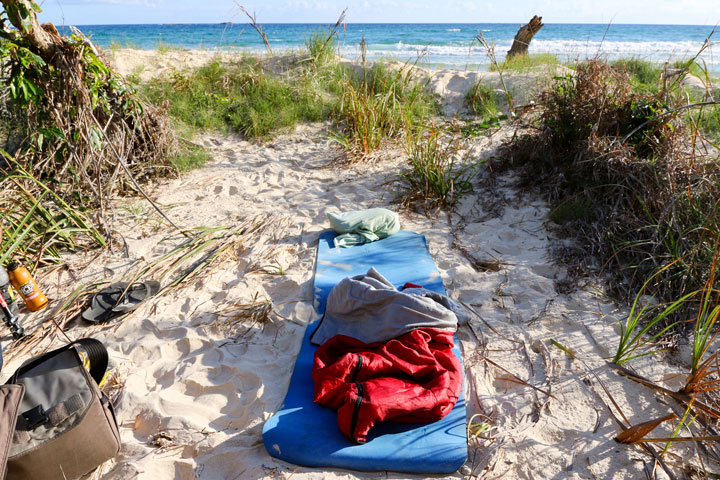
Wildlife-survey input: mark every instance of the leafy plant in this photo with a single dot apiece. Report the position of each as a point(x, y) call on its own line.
point(704, 368)
point(37, 224)
point(642, 319)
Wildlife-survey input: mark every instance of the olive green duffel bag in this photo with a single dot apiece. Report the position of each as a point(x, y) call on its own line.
point(65, 426)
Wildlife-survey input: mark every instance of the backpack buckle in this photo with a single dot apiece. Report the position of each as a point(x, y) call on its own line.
point(35, 417)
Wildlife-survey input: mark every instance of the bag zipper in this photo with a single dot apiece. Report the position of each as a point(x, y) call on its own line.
point(356, 411)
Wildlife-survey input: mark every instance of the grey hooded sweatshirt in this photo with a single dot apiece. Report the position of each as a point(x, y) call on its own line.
point(369, 308)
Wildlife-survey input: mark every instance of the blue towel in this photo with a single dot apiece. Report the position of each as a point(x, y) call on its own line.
point(305, 433)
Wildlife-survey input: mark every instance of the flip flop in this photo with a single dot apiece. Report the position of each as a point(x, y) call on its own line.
point(117, 299)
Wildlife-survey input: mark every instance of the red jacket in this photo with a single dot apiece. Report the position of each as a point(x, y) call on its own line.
point(415, 378)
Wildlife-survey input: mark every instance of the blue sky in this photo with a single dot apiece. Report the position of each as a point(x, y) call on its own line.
point(87, 12)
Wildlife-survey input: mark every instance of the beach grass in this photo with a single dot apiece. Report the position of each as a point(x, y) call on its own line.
point(707, 121)
point(189, 156)
point(704, 364)
point(524, 63)
point(438, 175)
point(162, 47)
point(238, 97)
point(482, 101)
point(644, 73)
point(639, 328)
point(694, 67)
point(375, 104)
point(37, 223)
point(321, 47)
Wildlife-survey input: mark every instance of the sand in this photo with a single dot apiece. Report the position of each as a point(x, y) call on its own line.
point(192, 399)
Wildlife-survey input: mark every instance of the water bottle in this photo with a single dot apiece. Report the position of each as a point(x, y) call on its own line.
point(23, 283)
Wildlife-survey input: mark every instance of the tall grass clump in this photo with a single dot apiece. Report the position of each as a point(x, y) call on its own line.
point(649, 198)
point(699, 394)
point(704, 365)
point(638, 329)
point(321, 47)
point(240, 97)
point(694, 67)
point(706, 123)
point(437, 176)
point(482, 101)
point(37, 223)
point(375, 104)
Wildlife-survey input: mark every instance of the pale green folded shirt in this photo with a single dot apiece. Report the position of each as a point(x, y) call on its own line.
point(363, 226)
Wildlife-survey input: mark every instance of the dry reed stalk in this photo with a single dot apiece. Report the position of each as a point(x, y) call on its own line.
point(205, 251)
point(237, 320)
point(333, 30)
point(258, 28)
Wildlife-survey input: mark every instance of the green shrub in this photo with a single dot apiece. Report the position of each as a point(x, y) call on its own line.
point(637, 200)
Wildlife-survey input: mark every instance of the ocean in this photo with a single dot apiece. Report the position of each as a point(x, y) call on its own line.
point(436, 45)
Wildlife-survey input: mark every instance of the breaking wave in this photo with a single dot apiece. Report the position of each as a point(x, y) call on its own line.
point(463, 52)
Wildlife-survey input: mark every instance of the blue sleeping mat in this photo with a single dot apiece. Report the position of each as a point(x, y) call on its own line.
point(305, 433)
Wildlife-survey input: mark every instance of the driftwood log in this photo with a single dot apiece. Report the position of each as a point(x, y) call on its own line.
point(524, 36)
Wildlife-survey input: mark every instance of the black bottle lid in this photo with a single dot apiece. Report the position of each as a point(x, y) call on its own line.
point(12, 266)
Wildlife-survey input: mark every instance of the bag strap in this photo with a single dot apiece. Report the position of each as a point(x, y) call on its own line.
point(95, 350)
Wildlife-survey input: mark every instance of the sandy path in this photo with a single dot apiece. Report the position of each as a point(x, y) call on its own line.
point(194, 401)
